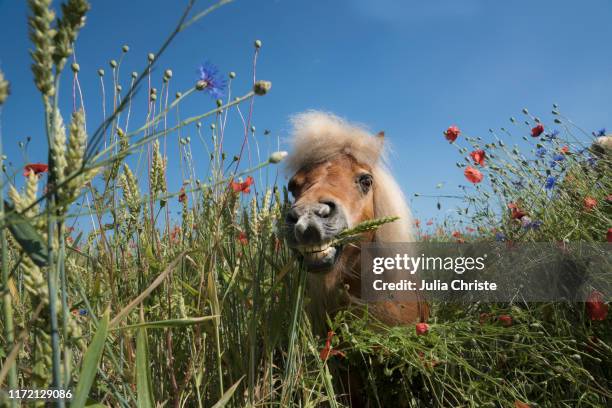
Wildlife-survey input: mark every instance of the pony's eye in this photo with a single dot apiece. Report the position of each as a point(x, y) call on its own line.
point(365, 182)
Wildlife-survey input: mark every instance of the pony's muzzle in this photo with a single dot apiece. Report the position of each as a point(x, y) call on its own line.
point(312, 228)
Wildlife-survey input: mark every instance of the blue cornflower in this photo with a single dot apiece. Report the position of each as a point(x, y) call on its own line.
point(209, 80)
point(552, 135)
point(500, 237)
point(536, 224)
point(600, 132)
point(557, 158)
point(592, 161)
point(541, 152)
point(550, 182)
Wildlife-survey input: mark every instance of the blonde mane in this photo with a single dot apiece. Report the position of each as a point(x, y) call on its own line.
point(318, 136)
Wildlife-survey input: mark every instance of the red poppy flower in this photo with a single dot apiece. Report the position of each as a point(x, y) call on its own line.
point(519, 404)
point(483, 318)
point(564, 150)
point(421, 328)
point(505, 320)
point(609, 199)
point(242, 238)
point(538, 130)
point(473, 175)
point(456, 234)
point(182, 196)
point(328, 351)
point(37, 168)
point(589, 203)
point(244, 187)
point(470, 229)
point(430, 222)
point(452, 133)
point(417, 223)
point(609, 236)
point(515, 212)
point(596, 308)
point(478, 156)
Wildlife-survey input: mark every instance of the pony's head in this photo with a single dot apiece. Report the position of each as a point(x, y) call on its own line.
point(339, 180)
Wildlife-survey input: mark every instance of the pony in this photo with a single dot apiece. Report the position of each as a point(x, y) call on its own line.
point(339, 178)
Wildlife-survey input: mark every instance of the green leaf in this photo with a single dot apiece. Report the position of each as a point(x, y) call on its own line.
point(227, 395)
point(26, 235)
point(91, 360)
point(143, 377)
point(162, 324)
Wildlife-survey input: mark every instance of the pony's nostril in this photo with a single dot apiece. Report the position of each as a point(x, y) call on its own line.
point(292, 216)
point(326, 209)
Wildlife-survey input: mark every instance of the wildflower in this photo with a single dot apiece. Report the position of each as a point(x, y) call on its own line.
point(519, 404)
point(553, 135)
point(557, 158)
point(600, 132)
point(596, 308)
point(262, 87)
point(478, 156)
point(182, 195)
point(244, 187)
point(452, 133)
point(592, 161)
point(609, 235)
point(564, 150)
point(526, 222)
point(430, 222)
point(242, 238)
point(541, 152)
point(421, 328)
point(589, 203)
point(277, 157)
point(456, 234)
point(470, 229)
point(550, 182)
point(500, 237)
point(505, 320)
point(328, 351)
point(483, 318)
point(209, 80)
point(36, 168)
point(473, 175)
point(537, 130)
point(515, 212)
point(536, 224)
point(417, 223)
point(609, 199)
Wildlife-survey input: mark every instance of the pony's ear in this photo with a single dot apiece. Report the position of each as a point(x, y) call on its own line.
point(380, 139)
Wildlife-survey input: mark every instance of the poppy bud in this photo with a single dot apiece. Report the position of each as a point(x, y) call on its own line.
point(201, 85)
point(101, 72)
point(262, 87)
point(258, 44)
point(421, 328)
point(277, 157)
point(125, 48)
point(151, 57)
point(113, 64)
point(75, 67)
point(232, 75)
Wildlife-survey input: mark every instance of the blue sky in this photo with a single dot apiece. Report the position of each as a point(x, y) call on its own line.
point(410, 68)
